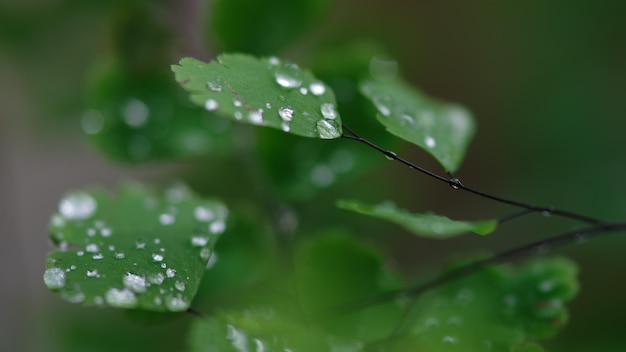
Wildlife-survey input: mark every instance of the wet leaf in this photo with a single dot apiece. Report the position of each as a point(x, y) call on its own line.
point(138, 249)
point(498, 309)
point(442, 129)
point(425, 225)
point(263, 92)
point(261, 329)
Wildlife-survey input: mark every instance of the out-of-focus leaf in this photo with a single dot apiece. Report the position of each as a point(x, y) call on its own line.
point(140, 117)
point(262, 27)
point(425, 225)
point(332, 271)
point(264, 92)
point(138, 249)
point(442, 129)
point(496, 309)
point(261, 329)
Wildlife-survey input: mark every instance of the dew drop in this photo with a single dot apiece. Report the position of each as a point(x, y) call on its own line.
point(211, 105)
point(455, 183)
point(214, 86)
point(430, 142)
point(327, 129)
point(156, 278)
point(203, 214)
point(92, 248)
point(407, 119)
point(166, 219)
point(288, 76)
point(163, 265)
point(273, 60)
point(238, 115)
point(120, 255)
point(199, 241)
point(237, 103)
point(93, 273)
point(391, 156)
point(205, 254)
point(120, 298)
point(140, 244)
point(98, 256)
point(158, 301)
point(175, 304)
point(135, 113)
point(217, 227)
point(285, 113)
point(54, 278)
point(384, 109)
point(106, 232)
point(256, 116)
point(317, 88)
point(180, 286)
point(80, 253)
point(135, 282)
point(98, 300)
point(74, 296)
point(170, 272)
point(212, 261)
point(157, 257)
point(303, 91)
point(328, 111)
point(285, 126)
point(268, 105)
point(77, 206)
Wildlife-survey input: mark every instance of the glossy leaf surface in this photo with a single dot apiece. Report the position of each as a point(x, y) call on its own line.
point(137, 249)
point(442, 129)
point(264, 92)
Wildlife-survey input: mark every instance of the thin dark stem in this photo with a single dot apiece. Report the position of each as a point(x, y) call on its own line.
point(507, 218)
point(534, 247)
point(456, 184)
point(195, 313)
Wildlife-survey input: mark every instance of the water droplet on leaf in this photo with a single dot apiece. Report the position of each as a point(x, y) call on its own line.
point(120, 298)
point(211, 105)
point(328, 111)
point(288, 76)
point(135, 282)
point(285, 113)
point(327, 129)
point(317, 88)
point(54, 278)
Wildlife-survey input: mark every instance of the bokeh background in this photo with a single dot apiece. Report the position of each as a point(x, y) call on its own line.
point(544, 79)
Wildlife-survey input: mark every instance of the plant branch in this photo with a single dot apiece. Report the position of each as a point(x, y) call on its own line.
point(456, 184)
point(464, 271)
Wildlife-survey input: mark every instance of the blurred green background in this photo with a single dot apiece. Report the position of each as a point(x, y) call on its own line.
point(545, 80)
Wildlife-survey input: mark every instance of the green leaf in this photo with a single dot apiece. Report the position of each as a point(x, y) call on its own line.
point(262, 27)
point(261, 329)
point(499, 309)
point(138, 249)
point(333, 270)
point(426, 225)
point(442, 129)
point(143, 117)
point(263, 92)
